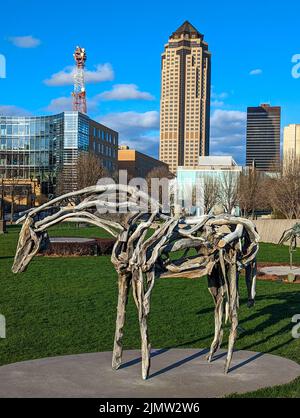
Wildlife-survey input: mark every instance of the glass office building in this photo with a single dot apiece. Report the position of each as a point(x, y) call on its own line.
point(30, 146)
point(39, 147)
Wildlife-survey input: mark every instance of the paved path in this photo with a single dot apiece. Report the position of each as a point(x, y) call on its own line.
point(71, 240)
point(280, 271)
point(174, 373)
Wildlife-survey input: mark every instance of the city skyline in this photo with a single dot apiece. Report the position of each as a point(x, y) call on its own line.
point(248, 69)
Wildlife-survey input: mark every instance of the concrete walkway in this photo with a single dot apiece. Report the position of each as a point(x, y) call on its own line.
point(64, 240)
point(280, 271)
point(174, 373)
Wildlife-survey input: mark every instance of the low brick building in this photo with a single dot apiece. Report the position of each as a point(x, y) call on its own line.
point(136, 163)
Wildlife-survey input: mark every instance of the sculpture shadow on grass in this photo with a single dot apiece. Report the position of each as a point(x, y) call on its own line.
point(286, 306)
point(278, 307)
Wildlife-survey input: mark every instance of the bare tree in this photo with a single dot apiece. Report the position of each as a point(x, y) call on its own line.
point(211, 193)
point(284, 189)
point(159, 173)
point(89, 170)
point(85, 173)
point(2, 209)
point(17, 192)
point(9, 191)
point(2, 200)
point(229, 190)
point(60, 184)
point(250, 191)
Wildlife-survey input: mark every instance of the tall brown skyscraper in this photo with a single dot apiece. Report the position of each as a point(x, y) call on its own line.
point(185, 98)
point(263, 137)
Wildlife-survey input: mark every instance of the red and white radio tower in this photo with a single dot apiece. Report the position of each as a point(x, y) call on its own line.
point(79, 94)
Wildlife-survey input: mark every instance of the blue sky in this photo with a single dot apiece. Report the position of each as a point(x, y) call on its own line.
point(124, 41)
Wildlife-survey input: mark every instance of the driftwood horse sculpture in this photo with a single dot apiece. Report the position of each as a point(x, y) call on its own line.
point(291, 235)
point(219, 247)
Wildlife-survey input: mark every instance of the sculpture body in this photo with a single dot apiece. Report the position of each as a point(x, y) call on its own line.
point(219, 247)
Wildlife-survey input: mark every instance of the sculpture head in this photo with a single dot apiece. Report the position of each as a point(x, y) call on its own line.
point(28, 246)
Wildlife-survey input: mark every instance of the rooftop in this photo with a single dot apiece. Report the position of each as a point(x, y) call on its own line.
point(187, 29)
point(215, 160)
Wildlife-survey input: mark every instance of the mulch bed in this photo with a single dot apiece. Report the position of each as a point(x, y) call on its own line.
point(94, 247)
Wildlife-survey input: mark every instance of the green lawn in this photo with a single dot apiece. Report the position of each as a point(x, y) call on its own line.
point(67, 306)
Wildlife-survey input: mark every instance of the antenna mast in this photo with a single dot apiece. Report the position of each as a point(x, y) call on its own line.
point(79, 94)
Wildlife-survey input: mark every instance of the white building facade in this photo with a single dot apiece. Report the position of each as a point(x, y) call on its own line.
point(214, 175)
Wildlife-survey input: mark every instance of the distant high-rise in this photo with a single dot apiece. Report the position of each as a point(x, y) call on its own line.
point(263, 137)
point(185, 98)
point(291, 141)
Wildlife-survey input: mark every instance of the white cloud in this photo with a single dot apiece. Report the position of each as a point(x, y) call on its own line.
point(141, 131)
point(62, 78)
point(257, 71)
point(119, 92)
point(228, 132)
point(227, 119)
point(128, 123)
point(148, 144)
point(103, 72)
point(62, 104)
point(25, 41)
point(125, 92)
point(11, 110)
point(138, 130)
point(217, 103)
point(219, 96)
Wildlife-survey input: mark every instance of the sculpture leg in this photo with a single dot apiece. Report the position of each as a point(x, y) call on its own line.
point(219, 301)
point(217, 290)
point(251, 271)
point(143, 304)
point(124, 284)
point(233, 307)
